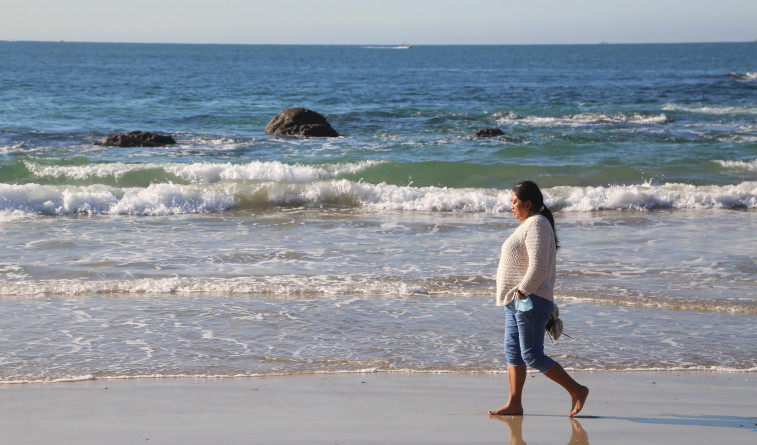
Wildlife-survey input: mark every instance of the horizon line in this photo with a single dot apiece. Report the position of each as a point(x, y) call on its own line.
point(381, 44)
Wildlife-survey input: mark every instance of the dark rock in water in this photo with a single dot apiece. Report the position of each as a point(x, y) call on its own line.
point(488, 133)
point(136, 139)
point(300, 122)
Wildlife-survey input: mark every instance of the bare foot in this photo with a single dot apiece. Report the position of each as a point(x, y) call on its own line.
point(507, 410)
point(579, 400)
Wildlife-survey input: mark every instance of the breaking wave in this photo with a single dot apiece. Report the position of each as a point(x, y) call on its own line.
point(173, 199)
point(708, 109)
point(582, 119)
point(204, 172)
point(741, 165)
point(648, 197)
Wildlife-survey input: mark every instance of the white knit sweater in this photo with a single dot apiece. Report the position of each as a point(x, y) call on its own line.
point(527, 261)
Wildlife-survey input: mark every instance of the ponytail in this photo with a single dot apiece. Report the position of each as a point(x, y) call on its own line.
point(529, 191)
point(548, 214)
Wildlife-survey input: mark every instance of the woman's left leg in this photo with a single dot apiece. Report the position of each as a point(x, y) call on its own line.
point(577, 392)
point(531, 332)
point(531, 327)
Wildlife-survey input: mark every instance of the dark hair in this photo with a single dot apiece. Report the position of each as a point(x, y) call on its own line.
point(529, 191)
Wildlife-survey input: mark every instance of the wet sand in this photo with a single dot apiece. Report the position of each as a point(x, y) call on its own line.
point(623, 408)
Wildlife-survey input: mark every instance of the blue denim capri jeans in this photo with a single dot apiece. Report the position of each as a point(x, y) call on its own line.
point(524, 334)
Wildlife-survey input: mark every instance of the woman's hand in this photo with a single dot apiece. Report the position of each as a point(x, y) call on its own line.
point(516, 295)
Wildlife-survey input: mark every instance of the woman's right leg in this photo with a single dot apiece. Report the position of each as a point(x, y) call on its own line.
point(516, 368)
point(516, 376)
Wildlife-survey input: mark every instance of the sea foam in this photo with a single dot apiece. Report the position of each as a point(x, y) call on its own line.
point(708, 109)
point(204, 172)
point(173, 199)
point(742, 165)
point(581, 119)
point(648, 196)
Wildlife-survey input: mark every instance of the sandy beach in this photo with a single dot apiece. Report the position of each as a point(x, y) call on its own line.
point(669, 407)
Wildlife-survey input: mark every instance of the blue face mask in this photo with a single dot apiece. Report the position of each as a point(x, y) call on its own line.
point(524, 305)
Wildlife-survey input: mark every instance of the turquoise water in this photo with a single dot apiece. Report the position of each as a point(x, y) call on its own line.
point(237, 253)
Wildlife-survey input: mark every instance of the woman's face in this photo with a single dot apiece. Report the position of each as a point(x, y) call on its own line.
point(521, 209)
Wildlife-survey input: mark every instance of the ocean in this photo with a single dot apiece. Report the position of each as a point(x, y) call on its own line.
point(234, 253)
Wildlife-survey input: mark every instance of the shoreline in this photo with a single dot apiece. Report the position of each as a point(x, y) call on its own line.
point(623, 407)
point(358, 372)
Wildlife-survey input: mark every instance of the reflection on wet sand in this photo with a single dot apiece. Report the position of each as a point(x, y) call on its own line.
point(578, 435)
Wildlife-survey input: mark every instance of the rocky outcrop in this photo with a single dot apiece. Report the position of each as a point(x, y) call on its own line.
point(136, 139)
point(300, 122)
point(488, 133)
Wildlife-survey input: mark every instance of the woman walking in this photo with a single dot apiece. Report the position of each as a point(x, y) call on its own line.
point(525, 286)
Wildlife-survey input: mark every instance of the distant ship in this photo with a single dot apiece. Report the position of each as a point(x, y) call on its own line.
point(403, 46)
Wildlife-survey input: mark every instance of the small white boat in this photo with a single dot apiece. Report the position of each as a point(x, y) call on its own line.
point(403, 46)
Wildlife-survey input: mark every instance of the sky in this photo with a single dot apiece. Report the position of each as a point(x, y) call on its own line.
point(417, 22)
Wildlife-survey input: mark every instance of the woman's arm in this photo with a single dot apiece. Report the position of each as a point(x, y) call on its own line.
point(539, 242)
